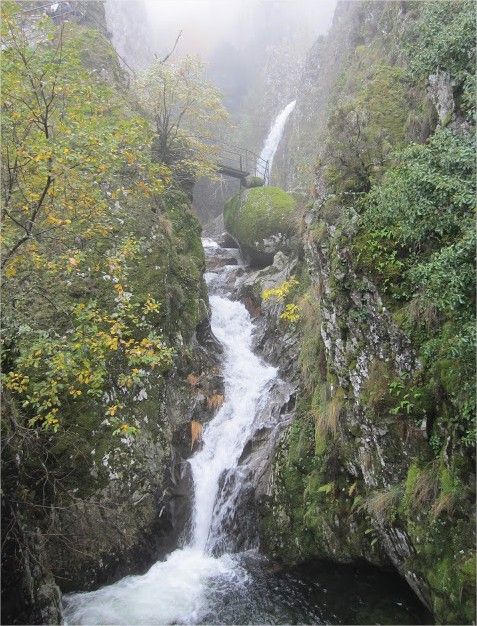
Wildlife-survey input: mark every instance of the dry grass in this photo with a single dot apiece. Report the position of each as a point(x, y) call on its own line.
point(445, 503)
point(426, 488)
point(381, 504)
point(435, 490)
point(327, 418)
point(421, 311)
point(311, 356)
point(195, 433)
point(166, 225)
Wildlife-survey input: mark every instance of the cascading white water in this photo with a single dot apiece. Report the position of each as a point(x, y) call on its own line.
point(192, 586)
point(273, 138)
point(173, 591)
point(245, 377)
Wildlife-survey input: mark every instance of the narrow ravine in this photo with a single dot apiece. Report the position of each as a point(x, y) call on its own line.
point(209, 581)
point(173, 590)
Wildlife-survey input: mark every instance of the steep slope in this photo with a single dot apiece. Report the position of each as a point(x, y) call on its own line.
point(379, 462)
point(107, 353)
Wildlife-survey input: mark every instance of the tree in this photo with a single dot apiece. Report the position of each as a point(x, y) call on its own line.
point(185, 111)
point(76, 172)
point(64, 140)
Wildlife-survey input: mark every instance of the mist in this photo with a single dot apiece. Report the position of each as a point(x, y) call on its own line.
point(208, 24)
point(253, 51)
point(142, 29)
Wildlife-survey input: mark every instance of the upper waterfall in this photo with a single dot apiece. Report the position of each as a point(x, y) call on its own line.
point(273, 138)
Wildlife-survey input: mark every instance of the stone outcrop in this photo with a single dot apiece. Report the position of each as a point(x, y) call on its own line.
point(347, 469)
point(260, 220)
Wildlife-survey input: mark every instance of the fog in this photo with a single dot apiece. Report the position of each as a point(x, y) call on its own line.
point(144, 28)
point(254, 51)
point(207, 24)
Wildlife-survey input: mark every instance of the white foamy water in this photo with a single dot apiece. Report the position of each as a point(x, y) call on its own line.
point(171, 592)
point(273, 139)
point(174, 591)
point(245, 378)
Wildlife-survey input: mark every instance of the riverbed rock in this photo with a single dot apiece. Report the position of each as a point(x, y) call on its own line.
point(261, 221)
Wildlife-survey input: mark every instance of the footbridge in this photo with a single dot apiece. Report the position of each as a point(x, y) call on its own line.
point(240, 163)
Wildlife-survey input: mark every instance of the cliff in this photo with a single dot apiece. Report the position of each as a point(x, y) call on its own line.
point(107, 353)
point(378, 462)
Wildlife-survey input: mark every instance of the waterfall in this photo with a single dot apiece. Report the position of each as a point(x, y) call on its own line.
point(274, 136)
point(219, 578)
point(174, 590)
point(245, 378)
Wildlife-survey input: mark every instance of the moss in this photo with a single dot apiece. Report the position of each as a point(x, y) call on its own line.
point(318, 232)
point(444, 544)
point(97, 53)
point(172, 266)
point(254, 181)
point(375, 392)
point(257, 214)
point(412, 477)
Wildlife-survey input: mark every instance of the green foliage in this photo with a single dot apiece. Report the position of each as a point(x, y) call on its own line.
point(363, 131)
point(102, 260)
point(424, 198)
point(417, 238)
point(185, 111)
point(444, 37)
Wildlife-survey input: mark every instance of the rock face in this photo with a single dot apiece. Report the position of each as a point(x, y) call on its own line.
point(118, 522)
point(357, 339)
point(343, 474)
point(125, 500)
point(261, 222)
point(143, 511)
point(355, 474)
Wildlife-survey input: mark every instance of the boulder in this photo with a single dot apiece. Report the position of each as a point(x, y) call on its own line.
point(262, 221)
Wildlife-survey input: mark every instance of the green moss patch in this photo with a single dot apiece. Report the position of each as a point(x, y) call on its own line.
point(261, 220)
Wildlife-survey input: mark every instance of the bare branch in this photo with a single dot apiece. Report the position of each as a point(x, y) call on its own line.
point(174, 47)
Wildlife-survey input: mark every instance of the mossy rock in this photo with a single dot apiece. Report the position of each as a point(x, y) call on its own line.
point(261, 220)
point(253, 181)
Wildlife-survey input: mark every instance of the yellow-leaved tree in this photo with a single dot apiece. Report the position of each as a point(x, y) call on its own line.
point(186, 112)
point(77, 178)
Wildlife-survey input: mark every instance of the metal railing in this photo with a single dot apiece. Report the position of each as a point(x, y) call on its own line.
point(241, 161)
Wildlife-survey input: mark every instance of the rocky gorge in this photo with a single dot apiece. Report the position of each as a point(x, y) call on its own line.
point(273, 409)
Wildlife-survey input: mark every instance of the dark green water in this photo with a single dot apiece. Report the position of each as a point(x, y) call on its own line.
point(316, 593)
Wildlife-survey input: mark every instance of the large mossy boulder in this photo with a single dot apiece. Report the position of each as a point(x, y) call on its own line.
point(262, 221)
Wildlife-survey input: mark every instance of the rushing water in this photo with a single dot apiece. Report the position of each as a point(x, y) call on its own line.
point(273, 138)
point(173, 590)
point(194, 585)
point(245, 378)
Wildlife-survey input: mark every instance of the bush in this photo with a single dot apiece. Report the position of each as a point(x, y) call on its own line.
point(416, 237)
